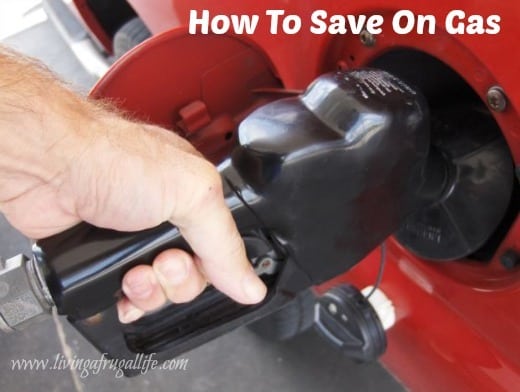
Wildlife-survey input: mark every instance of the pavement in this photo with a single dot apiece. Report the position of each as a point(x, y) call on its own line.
point(238, 361)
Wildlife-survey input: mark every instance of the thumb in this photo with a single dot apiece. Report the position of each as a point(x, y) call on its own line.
point(209, 228)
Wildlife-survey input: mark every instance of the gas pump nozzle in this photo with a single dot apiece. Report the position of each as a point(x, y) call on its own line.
point(315, 183)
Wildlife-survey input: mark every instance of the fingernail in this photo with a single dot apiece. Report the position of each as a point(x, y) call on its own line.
point(130, 315)
point(175, 271)
point(139, 286)
point(253, 287)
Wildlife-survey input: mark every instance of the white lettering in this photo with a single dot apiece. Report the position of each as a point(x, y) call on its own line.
point(318, 25)
point(409, 20)
point(195, 21)
point(450, 22)
point(493, 21)
point(274, 14)
point(291, 24)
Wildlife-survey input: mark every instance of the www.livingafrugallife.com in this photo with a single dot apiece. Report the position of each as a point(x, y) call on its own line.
point(86, 367)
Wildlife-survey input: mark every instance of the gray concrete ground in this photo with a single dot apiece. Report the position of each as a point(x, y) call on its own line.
point(239, 361)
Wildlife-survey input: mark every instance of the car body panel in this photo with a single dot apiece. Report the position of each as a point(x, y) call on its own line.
point(457, 322)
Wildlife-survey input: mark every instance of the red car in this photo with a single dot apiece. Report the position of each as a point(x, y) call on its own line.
point(451, 285)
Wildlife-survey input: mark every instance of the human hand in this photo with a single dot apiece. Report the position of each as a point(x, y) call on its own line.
point(130, 176)
point(64, 159)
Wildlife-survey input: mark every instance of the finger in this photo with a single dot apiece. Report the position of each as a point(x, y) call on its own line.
point(128, 312)
point(178, 275)
point(142, 288)
point(211, 231)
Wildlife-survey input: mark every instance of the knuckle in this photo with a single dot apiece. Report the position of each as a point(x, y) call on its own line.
point(202, 191)
point(208, 190)
point(181, 297)
point(137, 276)
point(186, 294)
point(236, 247)
point(211, 184)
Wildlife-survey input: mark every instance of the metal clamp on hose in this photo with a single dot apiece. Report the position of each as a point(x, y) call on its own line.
point(24, 296)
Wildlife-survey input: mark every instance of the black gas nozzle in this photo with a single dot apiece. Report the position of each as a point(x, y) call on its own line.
point(315, 183)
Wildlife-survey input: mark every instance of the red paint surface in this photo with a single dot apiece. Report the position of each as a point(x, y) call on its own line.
point(161, 81)
point(89, 20)
point(458, 323)
point(157, 15)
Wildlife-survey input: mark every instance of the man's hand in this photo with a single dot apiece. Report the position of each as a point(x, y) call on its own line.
point(64, 160)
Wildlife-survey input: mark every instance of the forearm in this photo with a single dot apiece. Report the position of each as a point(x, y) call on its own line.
point(58, 148)
point(42, 123)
